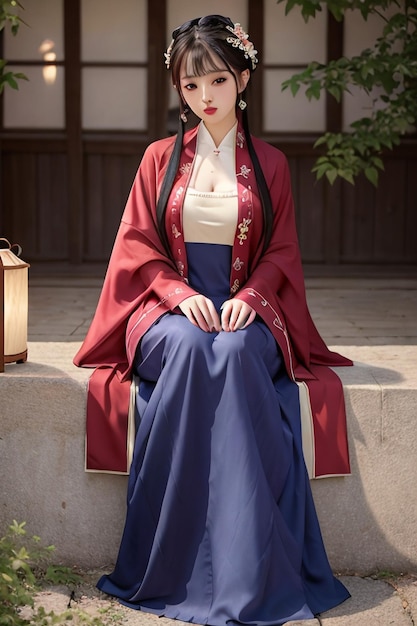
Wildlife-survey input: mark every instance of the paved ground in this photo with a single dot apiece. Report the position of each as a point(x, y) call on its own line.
point(356, 313)
point(374, 602)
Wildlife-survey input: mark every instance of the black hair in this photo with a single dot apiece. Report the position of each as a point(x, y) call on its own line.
point(199, 40)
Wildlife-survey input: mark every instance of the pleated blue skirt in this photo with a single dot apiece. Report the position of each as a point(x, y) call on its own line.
point(220, 526)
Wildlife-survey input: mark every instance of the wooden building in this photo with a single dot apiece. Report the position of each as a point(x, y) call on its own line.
point(98, 93)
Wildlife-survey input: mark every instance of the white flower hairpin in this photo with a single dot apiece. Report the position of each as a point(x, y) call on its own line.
point(241, 41)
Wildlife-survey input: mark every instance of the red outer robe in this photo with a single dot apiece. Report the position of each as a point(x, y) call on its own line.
point(142, 283)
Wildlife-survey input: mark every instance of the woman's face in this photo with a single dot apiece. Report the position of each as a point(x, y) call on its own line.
point(212, 97)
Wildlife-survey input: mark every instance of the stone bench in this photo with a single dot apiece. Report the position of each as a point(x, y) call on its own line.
point(368, 519)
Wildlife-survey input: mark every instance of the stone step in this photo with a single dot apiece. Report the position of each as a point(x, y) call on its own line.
point(368, 519)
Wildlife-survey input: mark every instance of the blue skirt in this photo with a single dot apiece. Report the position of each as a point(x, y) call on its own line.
point(221, 526)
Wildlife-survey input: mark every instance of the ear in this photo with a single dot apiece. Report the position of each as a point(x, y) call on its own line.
point(243, 80)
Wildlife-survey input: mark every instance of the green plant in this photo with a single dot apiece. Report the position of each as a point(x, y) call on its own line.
point(387, 72)
point(24, 564)
point(8, 15)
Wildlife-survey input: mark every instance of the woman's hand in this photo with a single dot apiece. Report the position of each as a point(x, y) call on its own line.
point(236, 315)
point(201, 312)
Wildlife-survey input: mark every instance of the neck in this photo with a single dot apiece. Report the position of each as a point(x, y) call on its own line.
point(219, 132)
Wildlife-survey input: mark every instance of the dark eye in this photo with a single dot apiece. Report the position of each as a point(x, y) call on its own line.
point(190, 86)
point(220, 80)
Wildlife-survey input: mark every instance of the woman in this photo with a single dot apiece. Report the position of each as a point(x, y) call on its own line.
point(204, 301)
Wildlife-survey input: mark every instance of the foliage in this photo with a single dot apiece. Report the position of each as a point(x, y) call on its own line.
point(8, 15)
point(387, 72)
point(24, 563)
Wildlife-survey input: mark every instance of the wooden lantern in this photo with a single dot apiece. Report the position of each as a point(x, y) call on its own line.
point(14, 305)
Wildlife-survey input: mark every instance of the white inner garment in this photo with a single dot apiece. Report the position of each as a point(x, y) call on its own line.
point(211, 206)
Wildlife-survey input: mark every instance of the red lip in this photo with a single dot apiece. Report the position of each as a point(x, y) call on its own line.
point(210, 110)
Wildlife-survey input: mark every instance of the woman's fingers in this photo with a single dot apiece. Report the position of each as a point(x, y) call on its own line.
point(201, 312)
point(236, 314)
point(250, 319)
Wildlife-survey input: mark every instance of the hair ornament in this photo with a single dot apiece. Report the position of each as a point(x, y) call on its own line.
point(167, 54)
point(241, 41)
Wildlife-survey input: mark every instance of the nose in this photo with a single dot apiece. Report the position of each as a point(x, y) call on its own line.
point(206, 97)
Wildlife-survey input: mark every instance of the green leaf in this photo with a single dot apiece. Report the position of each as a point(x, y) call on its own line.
point(322, 169)
point(290, 5)
point(371, 174)
point(320, 141)
point(6, 577)
point(331, 175)
point(60, 574)
point(292, 83)
point(11, 81)
point(314, 90)
point(332, 141)
point(335, 92)
point(336, 9)
point(387, 142)
point(309, 9)
point(18, 529)
point(347, 175)
point(367, 70)
point(294, 88)
point(23, 553)
point(378, 162)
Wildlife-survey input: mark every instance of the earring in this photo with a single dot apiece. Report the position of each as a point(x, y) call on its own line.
point(242, 105)
point(183, 115)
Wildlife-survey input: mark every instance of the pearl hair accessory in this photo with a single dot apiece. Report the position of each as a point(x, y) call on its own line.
point(167, 54)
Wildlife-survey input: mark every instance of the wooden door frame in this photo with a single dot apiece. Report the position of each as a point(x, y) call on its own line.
point(73, 129)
